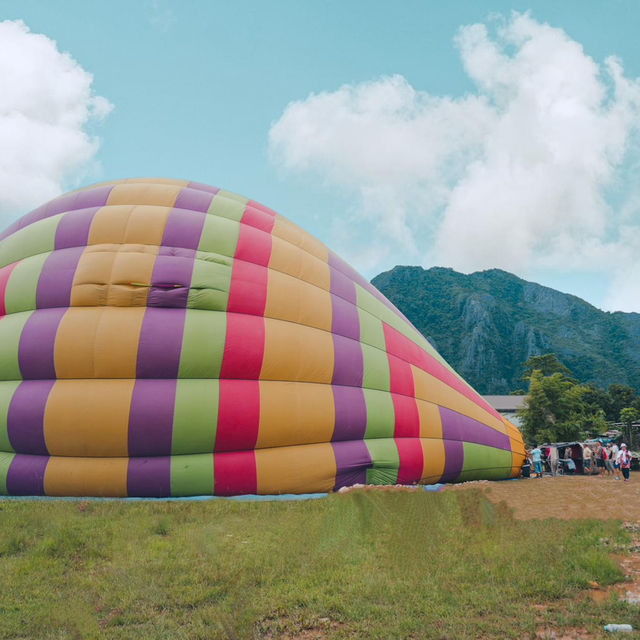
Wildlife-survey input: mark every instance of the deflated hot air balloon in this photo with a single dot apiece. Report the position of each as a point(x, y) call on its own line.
point(167, 338)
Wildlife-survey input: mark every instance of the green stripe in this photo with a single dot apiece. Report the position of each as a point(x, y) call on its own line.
point(7, 389)
point(5, 462)
point(210, 282)
point(22, 286)
point(195, 417)
point(371, 331)
point(385, 461)
point(37, 238)
point(376, 368)
point(380, 414)
point(10, 331)
point(369, 303)
point(228, 205)
point(202, 344)
point(192, 475)
point(219, 236)
point(484, 463)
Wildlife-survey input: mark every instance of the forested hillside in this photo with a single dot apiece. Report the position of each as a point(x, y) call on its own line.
point(488, 323)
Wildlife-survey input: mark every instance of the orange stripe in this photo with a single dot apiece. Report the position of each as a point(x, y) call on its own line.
point(307, 468)
point(145, 193)
point(432, 389)
point(106, 477)
point(88, 418)
point(98, 342)
point(293, 261)
point(434, 459)
point(310, 405)
point(115, 275)
point(296, 352)
point(297, 301)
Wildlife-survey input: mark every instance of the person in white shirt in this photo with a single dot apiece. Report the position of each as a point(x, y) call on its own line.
point(614, 458)
point(586, 457)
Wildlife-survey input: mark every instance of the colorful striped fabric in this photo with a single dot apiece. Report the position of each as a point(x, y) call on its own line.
point(167, 338)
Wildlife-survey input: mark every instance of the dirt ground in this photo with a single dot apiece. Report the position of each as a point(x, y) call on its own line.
point(565, 497)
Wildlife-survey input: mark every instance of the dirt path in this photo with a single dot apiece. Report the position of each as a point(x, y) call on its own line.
point(565, 497)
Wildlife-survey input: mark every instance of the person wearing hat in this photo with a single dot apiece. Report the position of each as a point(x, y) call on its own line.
point(624, 461)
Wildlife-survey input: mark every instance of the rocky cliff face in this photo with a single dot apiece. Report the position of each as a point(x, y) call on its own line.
point(487, 324)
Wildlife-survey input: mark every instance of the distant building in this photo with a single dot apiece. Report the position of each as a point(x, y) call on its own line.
point(507, 406)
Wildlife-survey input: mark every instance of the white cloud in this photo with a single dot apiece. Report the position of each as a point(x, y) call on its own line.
point(518, 175)
point(46, 103)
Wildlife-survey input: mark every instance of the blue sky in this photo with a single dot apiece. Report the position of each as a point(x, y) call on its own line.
point(198, 87)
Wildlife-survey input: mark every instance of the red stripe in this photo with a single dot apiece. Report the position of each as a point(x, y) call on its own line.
point(407, 416)
point(248, 290)
point(411, 460)
point(258, 218)
point(261, 207)
point(400, 346)
point(5, 272)
point(254, 245)
point(400, 377)
point(238, 415)
point(234, 473)
point(250, 276)
point(243, 347)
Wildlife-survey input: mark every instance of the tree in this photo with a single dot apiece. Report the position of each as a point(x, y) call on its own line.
point(547, 364)
point(628, 416)
point(553, 411)
point(620, 397)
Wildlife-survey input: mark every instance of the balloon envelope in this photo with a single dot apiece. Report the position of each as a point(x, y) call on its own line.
point(167, 338)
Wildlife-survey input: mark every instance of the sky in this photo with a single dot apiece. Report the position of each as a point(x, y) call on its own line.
point(470, 135)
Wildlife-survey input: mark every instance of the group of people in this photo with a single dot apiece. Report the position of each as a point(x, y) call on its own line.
point(608, 459)
point(604, 460)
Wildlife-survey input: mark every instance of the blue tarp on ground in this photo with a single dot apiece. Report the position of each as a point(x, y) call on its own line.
point(246, 498)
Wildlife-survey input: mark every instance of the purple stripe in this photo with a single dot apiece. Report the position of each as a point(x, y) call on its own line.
point(149, 477)
point(73, 229)
point(352, 461)
point(454, 459)
point(455, 426)
point(345, 320)
point(37, 342)
point(151, 418)
point(25, 418)
point(343, 287)
point(350, 413)
point(183, 229)
point(171, 278)
point(194, 200)
point(350, 273)
point(203, 187)
point(160, 343)
point(69, 202)
point(346, 269)
point(348, 365)
point(26, 475)
point(92, 197)
point(56, 278)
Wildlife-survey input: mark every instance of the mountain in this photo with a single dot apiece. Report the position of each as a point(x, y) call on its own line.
point(486, 324)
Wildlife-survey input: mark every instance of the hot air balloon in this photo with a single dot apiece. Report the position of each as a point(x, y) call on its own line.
point(168, 338)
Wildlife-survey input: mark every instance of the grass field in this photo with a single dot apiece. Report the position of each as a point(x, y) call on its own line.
point(361, 565)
